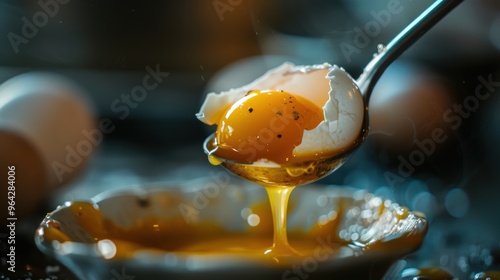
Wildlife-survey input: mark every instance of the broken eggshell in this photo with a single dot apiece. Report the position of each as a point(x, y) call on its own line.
point(329, 87)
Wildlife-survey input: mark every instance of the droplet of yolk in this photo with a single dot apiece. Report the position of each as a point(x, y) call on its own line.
point(265, 125)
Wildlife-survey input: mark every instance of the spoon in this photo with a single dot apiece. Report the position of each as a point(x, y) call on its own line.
point(300, 173)
point(387, 54)
point(280, 180)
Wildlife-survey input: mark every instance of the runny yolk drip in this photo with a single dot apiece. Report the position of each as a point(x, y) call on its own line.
point(265, 125)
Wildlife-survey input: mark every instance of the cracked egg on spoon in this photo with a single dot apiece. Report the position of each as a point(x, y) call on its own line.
point(290, 114)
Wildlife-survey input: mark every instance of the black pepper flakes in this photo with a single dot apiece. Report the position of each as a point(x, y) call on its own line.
point(279, 113)
point(250, 110)
point(295, 115)
point(143, 202)
point(279, 135)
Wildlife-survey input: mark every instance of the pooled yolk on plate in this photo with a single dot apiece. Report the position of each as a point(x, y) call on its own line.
point(265, 125)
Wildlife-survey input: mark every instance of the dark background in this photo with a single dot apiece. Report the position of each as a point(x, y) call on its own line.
point(106, 46)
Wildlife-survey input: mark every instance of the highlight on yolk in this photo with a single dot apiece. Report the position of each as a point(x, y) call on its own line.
point(265, 125)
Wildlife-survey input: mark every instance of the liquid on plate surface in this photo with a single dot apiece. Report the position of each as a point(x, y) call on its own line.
point(163, 235)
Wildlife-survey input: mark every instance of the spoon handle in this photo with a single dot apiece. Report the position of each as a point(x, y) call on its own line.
point(387, 54)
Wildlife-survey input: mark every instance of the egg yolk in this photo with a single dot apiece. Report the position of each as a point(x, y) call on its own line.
point(265, 125)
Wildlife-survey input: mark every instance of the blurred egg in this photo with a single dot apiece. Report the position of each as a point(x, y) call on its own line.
point(45, 123)
point(29, 178)
point(408, 104)
point(244, 71)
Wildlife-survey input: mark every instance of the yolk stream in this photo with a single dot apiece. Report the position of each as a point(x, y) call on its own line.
point(265, 125)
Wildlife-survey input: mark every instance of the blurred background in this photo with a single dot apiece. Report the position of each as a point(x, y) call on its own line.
point(126, 79)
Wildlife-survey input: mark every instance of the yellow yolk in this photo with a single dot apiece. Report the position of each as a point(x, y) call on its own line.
point(265, 125)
